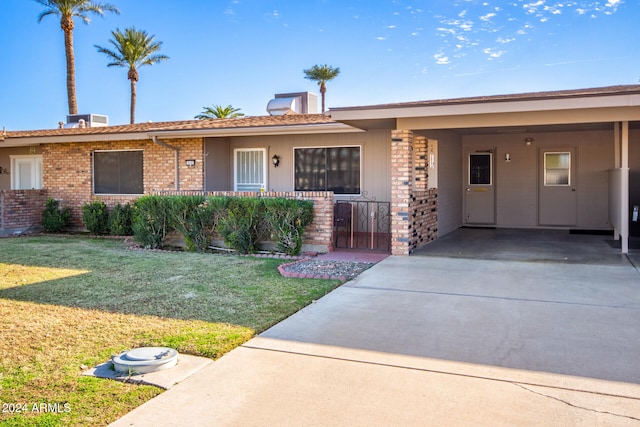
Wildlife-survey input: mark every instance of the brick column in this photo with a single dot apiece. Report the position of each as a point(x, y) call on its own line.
point(401, 184)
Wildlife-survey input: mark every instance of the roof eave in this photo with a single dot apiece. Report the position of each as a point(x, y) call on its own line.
point(488, 107)
point(315, 128)
point(59, 139)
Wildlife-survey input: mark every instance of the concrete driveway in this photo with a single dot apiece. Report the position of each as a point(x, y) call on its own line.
point(435, 340)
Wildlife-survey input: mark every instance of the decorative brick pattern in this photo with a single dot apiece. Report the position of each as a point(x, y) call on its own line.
point(414, 209)
point(21, 210)
point(421, 175)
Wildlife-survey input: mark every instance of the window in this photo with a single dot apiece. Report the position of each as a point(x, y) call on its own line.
point(250, 169)
point(557, 169)
point(334, 169)
point(26, 172)
point(480, 169)
point(117, 172)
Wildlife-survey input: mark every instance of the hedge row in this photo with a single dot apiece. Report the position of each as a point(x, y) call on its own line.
point(242, 222)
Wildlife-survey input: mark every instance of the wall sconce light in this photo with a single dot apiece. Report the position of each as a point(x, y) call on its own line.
point(275, 160)
point(190, 163)
point(507, 157)
point(528, 141)
point(4, 171)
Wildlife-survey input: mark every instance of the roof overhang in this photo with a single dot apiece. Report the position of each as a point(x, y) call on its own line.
point(587, 109)
point(36, 140)
point(256, 131)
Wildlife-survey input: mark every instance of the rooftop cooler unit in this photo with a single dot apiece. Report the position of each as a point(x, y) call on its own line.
point(87, 120)
point(293, 103)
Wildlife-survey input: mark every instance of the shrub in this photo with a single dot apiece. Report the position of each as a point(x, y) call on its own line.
point(287, 220)
point(187, 214)
point(120, 220)
point(243, 226)
point(55, 219)
point(150, 220)
point(96, 217)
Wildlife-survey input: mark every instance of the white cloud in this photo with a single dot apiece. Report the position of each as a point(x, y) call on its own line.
point(441, 59)
point(391, 27)
point(381, 38)
point(488, 16)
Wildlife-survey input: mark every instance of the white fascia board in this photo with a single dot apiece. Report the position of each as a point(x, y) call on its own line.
point(586, 102)
point(256, 131)
point(96, 137)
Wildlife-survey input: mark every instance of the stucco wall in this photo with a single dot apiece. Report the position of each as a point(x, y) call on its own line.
point(517, 181)
point(376, 152)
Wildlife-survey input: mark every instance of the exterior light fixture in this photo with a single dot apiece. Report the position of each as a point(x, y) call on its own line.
point(275, 160)
point(528, 141)
point(190, 162)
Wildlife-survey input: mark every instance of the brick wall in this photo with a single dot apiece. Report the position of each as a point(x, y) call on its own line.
point(414, 208)
point(21, 210)
point(68, 175)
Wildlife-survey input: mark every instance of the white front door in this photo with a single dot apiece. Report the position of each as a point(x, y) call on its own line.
point(250, 169)
point(26, 172)
point(557, 196)
point(479, 194)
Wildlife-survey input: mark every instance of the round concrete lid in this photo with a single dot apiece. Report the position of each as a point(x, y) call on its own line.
point(148, 353)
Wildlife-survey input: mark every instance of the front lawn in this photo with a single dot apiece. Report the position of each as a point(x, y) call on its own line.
point(67, 303)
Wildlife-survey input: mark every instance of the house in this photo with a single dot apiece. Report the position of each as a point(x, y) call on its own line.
point(560, 159)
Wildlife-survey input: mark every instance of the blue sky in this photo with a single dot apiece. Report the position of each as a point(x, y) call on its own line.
point(242, 52)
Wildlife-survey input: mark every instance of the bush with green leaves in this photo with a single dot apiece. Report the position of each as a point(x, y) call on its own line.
point(287, 220)
point(54, 218)
point(151, 220)
point(120, 220)
point(195, 218)
point(243, 226)
point(95, 216)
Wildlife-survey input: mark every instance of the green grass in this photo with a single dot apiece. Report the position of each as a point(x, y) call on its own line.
point(67, 303)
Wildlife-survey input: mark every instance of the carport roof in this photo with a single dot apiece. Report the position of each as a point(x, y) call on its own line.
point(580, 106)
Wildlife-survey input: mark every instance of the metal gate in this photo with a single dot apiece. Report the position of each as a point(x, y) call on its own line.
point(362, 223)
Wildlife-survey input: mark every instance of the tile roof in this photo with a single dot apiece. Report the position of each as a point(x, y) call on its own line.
point(241, 122)
point(530, 96)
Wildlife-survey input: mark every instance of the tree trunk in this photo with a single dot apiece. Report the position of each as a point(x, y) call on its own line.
point(323, 90)
point(133, 101)
point(67, 28)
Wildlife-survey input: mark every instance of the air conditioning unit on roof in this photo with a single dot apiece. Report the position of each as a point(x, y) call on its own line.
point(90, 120)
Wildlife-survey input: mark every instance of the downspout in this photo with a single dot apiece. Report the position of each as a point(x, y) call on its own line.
point(176, 150)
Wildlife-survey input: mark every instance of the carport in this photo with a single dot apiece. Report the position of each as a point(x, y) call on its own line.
point(547, 160)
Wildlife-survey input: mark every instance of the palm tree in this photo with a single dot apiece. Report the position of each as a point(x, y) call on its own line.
point(67, 10)
point(219, 112)
point(322, 74)
point(133, 49)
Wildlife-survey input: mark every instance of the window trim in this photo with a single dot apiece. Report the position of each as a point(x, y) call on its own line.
point(265, 166)
point(361, 173)
point(93, 172)
point(36, 174)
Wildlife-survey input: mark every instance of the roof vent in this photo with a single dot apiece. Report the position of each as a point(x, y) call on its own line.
point(90, 121)
point(293, 103)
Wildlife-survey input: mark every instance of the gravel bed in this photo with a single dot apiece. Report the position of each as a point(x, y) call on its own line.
point(324, 269)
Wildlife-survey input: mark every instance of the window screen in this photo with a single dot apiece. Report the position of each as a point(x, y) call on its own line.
point(334, 169)
point(480, 169)
point(117, 172)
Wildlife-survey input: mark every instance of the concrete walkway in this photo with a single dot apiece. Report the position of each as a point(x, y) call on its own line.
point(434, 341)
